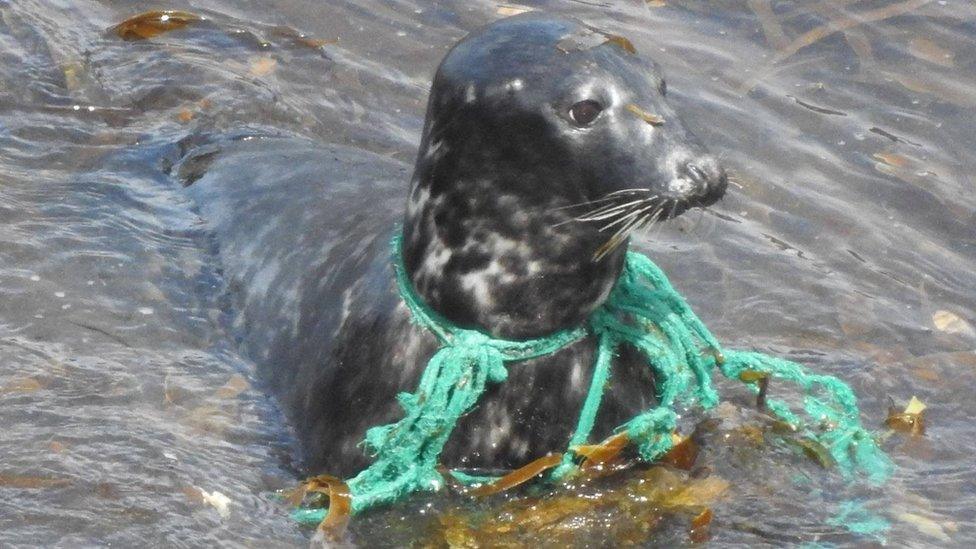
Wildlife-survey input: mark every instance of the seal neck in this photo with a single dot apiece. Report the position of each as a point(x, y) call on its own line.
point(452, 335)
point(487, 256)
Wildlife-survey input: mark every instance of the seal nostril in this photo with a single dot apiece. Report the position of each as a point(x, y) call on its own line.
point(697, 173)
point(708, 179)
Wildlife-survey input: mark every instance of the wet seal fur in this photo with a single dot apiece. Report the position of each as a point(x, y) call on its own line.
point(543, 138)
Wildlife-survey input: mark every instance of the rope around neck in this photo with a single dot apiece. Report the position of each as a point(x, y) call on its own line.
point(643, 311)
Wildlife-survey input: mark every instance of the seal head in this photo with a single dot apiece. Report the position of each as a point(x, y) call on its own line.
point(546, 144)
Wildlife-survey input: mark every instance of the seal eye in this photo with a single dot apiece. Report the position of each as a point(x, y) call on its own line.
point(663, 87)
point(585, 112)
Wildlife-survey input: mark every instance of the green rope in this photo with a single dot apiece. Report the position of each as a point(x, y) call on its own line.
point(643, 311)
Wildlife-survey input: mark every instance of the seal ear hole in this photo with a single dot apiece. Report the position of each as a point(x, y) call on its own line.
point(585, 112)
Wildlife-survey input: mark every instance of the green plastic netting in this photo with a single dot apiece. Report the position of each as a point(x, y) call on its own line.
point(643, 311)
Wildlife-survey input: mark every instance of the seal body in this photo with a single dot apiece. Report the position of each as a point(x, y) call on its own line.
point(546, 143)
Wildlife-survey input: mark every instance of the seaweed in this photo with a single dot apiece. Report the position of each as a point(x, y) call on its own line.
point(153, 23)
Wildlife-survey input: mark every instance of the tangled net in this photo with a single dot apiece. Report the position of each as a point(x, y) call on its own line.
point(643, 311)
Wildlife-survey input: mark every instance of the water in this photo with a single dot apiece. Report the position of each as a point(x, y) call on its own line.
point(849, 244)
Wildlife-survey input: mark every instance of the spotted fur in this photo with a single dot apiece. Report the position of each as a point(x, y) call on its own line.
point(515, 223)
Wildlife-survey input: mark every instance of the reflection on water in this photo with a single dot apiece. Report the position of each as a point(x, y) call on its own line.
point(848, 243)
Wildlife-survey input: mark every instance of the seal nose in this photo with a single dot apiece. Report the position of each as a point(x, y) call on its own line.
point(708, 178)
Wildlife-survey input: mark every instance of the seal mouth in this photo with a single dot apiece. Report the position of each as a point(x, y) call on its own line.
point(621, 213)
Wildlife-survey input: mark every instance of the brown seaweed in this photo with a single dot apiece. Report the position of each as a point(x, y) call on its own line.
point(596, 456)
point(340, 503)
point(911, 420)
point(153, 23)
point(565, 517)
point(648, 117)
point(519, 476)
point(759, 378)
point(682, 454)
point(699, 531)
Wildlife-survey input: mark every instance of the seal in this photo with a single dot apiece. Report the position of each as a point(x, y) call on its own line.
point(546, 144)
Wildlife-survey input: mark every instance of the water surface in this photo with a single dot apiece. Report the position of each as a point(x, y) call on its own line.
point(849, 243)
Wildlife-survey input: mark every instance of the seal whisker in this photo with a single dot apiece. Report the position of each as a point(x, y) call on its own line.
point(586, 215)
point(609, 212)
point(638, 224)
point(634, 221)
point(588, 218)
point(602, 213)
point(603, 216)
point(636, 212)
point(636, 209)
point(632, 190)
point(656, 216)
point(645, 220)
point(598, 216)
point(605, 198)
point(621, 219)
point(621, 235)
point(617, 238)
point(732, 177)
point(564, 222)
point(650, 226)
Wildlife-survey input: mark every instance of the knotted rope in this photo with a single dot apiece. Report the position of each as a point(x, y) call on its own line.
point(644, 311)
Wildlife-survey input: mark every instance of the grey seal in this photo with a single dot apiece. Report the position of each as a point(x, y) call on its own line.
point(546, 144)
